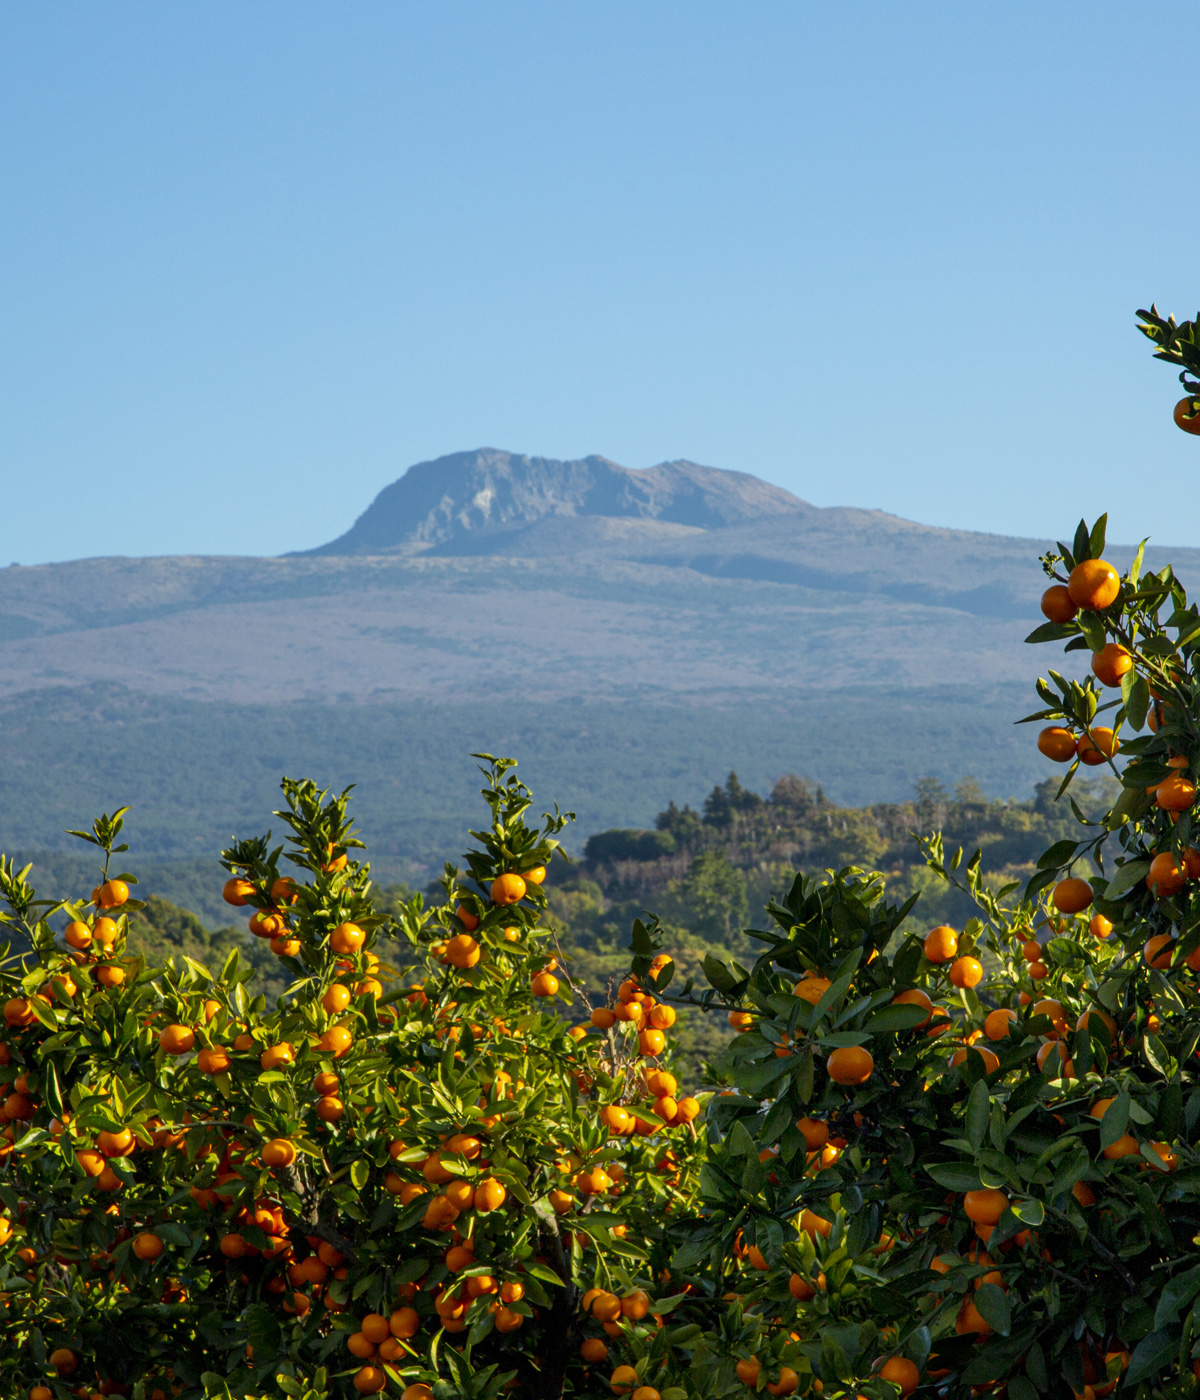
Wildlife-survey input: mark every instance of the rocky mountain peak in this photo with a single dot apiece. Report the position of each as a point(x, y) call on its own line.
point(488, 490)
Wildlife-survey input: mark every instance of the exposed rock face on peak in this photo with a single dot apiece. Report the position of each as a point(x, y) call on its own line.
point(488, 491)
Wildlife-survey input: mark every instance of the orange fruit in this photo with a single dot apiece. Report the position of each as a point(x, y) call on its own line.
point(850, 1065)
point(996, 1023)
point(1169, 1159)
point(64, 1360)
point(1175, 793)
point(404, 1323)
point(1083, 1193)
point(1057, 604)
point(1057, 744)
point(985, 1206)
point(276, 1055)
point(545, 984)
point(811, 989)
point(1072, 895)
point(508, 889)
point(1125, 1146)
point(77, 935)
point(814, 1225)
point(375, 1328)
point(651, 1042)
point(279, 1152)
point(1186, 414)
point(603, 1018)
point(236, 891)
point(213, 1060)
point(941, 944)
point(1100, 927)
point(147, 1245)
point(336, 1041)
point(659, 1082)
point(336, 999)
point(970, 1319)
point(786, 1383)
point(902, 1372)
point(1157, 951)
point(118, 1144)
point(1110, 663)
point(330, 1109)
point(1097, 745)
point(1093, 585)
point(105, 931)
point(112, 894)
point(966, 972)
point(1164, 877)
point(1054, 1010)
point(369, 1380)
point(463, 951)
point(814, 1133)
point(490, 1194)
point(347, 938)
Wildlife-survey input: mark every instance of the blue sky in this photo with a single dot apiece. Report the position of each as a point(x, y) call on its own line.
point(258, 259)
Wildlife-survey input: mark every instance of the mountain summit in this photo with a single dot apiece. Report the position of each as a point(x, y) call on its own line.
point(488, 492)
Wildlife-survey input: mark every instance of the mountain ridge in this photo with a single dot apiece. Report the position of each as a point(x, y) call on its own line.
point(704, 586)
point(490, 489)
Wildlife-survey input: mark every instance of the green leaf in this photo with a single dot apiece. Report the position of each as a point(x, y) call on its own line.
point(895, 1018)
point(263, 1330)
point(360, 1172)
point(1176, 1295)
point(993, 1305)
point(757, 1079)
point(1096, 538)
point(1052, 632)
point(718, 974)
point(979, 1113)
point(1057, 855)
point(1030, 1213)
point(1128, 876)
point(955, 1176)
point(1115, 1120)
point(1137, 701)
point(1150, 1355)
point(1081, 544)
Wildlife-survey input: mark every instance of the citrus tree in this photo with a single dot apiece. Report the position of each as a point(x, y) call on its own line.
point(1178, 344)
point(409, 1174)
point(967, 1159)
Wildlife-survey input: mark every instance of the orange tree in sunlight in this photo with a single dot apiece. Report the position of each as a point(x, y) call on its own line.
point(966, 1160)
point(403, 1184)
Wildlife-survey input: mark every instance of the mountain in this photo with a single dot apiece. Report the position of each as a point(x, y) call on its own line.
point(488, 492)
point(630, 635)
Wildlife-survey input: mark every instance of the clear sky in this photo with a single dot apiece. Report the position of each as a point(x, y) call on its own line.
point(258, 259)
